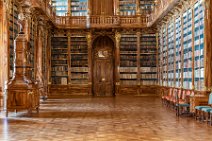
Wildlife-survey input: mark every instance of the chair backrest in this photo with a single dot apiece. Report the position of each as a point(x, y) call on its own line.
point(170, 92)
point(210, 99)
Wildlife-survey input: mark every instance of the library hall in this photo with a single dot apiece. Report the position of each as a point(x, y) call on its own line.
point(105, 70)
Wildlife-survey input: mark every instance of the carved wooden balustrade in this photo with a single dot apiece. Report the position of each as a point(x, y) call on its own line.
point(100, 21)
point(138, 21)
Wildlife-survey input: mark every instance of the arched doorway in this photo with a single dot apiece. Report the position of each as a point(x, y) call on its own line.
point(103, 66)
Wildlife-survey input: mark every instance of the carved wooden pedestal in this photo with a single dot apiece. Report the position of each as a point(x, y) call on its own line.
point(21, 92)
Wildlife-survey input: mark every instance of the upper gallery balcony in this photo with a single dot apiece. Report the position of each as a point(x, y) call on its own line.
point(83, 14)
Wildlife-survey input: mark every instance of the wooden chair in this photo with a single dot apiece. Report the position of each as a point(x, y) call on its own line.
point(198, 109)
point(205, 112)
point(168, 98)
point(182, 102)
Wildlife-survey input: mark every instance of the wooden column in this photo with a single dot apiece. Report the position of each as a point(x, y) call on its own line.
point(48, 61)
point(69, 8)
point(162, 68)
point(174, 81)
point(208, 44)
point(40, 44)
point(69, 58)
point(89, 42)
point(182, 56)
point(157, 57)
point(117, 12)
point(138, 9)
point(167, 55)
point(138, 62)
point(117, 62)
point(193, 49)
point(21, 92)
point(90, 7)
point(1, 52)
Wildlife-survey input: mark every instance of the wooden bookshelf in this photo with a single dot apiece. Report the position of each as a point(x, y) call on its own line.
point(146, 6)
point(128, 59)
point(148, 66)
point(127, 7)
point(178, 51)
point(79, 59)
point(79, 7)
point(171, 55)
point(187, 49)
point(199, 66)
point(187, 32)
point(59, 60)
point(60, 7)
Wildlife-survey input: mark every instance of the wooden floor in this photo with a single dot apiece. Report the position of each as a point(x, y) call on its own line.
point(123, 118)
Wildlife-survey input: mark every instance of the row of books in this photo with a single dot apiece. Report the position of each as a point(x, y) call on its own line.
point(199, 73)
point(128, 47)
point(79, 64)
point(128, 76)
point(128, 69)
point(128, 57)
point(59, 73)
point(126, 2)
point(149, 76)
point(128, 13)
point(79, 57)
point(55, 62)
point(148, 69)
point(79, 69)
point(60, 80)
point(59, 57)
point(149, 82)
point(148, 64)
point(128, 64)
point(128, 82)
point(79, 75)
point(60, 68)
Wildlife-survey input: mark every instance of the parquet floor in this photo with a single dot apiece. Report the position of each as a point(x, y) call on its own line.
point(123, 118)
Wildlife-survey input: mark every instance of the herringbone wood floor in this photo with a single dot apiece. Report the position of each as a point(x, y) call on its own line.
point(123, 118)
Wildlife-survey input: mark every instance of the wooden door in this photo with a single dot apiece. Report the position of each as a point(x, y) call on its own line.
point(103, 67)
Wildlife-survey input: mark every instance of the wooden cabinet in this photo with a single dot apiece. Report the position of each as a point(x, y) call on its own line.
point(22, 99)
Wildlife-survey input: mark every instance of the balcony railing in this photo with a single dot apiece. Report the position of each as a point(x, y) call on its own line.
point(138, 21)
point(100, 21)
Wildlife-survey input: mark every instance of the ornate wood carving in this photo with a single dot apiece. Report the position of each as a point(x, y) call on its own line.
point(103, 67)
point(21, 91)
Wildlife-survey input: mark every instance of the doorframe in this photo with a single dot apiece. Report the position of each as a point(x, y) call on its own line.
point(112, 38)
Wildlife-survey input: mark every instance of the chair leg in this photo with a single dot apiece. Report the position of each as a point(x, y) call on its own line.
point(206, 117)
